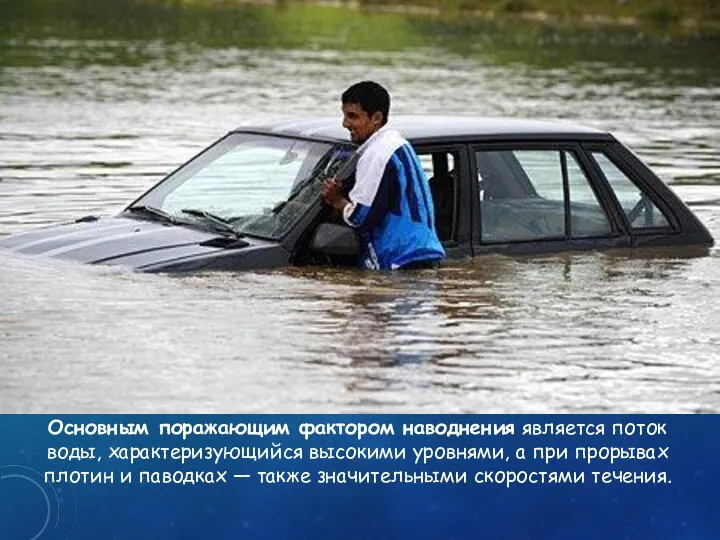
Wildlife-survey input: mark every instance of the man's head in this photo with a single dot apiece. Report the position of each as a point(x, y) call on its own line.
point(365, 107)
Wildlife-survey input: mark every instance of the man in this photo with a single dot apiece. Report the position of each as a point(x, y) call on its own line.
point(390, 203)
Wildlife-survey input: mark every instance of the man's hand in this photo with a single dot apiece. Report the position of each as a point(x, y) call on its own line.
point(332, 194)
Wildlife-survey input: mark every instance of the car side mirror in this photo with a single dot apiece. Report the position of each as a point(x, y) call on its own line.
point(334, 239)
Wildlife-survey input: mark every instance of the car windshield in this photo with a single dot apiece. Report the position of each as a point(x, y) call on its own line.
point(259, 185)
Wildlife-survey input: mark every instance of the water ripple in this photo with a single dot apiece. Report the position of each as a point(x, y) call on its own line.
point(574, 332)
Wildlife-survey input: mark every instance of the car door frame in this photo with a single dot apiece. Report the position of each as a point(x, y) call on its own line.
point(619, 237)
point(460, 244)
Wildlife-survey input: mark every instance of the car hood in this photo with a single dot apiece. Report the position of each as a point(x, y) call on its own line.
point(119, 240)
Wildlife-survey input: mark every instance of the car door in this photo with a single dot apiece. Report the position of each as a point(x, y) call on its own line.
point(535, 196)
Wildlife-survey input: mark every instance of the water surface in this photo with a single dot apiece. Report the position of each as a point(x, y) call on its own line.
point(88, 123)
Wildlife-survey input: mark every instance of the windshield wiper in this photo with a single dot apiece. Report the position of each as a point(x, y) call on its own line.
point(220, 223)
point(152, 211)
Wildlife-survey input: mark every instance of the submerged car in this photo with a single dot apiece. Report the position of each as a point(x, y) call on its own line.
point(252, 199)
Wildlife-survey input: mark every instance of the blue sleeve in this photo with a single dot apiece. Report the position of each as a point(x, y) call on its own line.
point(365, 218)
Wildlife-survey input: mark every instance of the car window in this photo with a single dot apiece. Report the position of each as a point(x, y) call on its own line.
point(523, 197)
point(258, 184)
point(640, 211)
point(250, 177)
point(587, 217)
point(440, 167)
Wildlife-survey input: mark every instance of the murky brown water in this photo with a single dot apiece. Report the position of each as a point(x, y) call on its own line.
point(576, 332)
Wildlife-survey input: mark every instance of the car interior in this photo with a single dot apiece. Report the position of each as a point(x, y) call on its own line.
point(440, 169)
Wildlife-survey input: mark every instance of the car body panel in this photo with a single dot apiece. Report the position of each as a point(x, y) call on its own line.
point(442, 128)
point(145, 245)
point(151, 244)
point(105, 239)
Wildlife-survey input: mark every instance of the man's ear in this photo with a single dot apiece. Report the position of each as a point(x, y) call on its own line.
point(377, 118)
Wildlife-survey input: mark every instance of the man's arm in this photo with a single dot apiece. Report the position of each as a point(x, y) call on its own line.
point(375, 194)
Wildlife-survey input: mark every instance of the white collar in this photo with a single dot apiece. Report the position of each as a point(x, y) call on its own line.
point(384, 130)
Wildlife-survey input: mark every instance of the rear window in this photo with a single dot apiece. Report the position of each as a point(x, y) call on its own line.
point(640, 211)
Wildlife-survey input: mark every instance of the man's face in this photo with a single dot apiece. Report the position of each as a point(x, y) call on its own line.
point(359, 123)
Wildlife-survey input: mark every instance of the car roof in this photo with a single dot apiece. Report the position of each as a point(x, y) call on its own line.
point(425, 128)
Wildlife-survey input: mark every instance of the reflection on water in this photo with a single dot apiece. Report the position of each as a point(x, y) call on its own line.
point(86, 126)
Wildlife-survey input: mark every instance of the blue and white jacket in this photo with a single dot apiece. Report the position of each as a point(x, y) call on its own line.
point(391, 204)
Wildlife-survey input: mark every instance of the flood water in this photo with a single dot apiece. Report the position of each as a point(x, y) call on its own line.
point(88, 123)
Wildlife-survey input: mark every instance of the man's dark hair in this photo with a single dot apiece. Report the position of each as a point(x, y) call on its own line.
point(370, 96)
